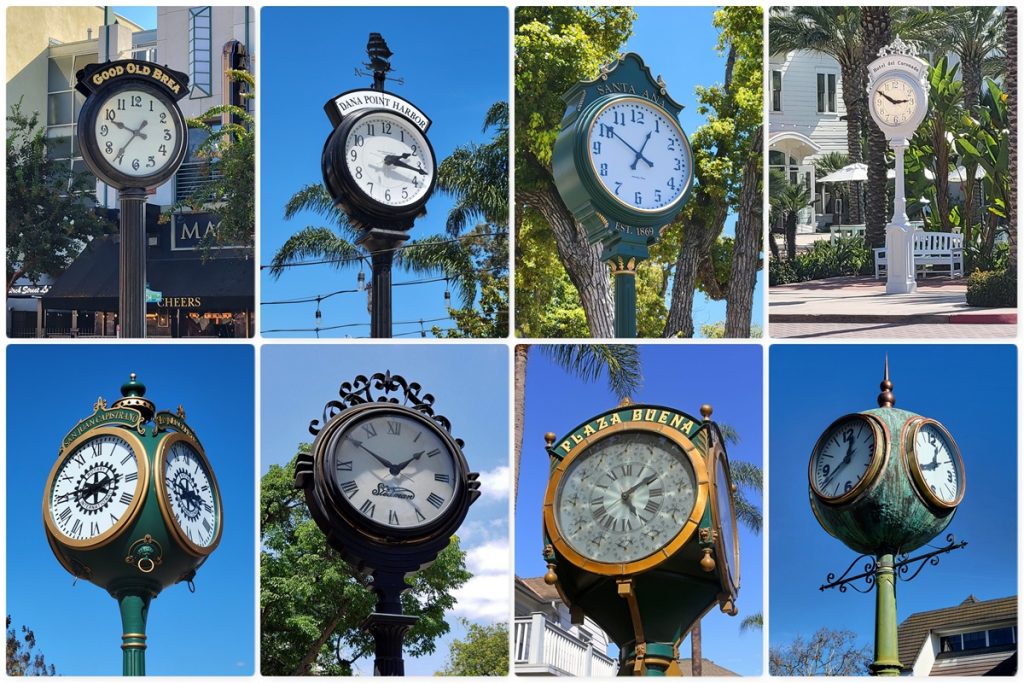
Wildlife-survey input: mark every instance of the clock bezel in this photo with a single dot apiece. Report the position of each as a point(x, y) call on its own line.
point(917, 116)
point(89, 146)
point(913, 465)
point(129, 516)
point(347, 192)
point(324, 457)
point(665, 552)
point(730, 583)
point(620, 210)
point(164, 502)
point(879, 458)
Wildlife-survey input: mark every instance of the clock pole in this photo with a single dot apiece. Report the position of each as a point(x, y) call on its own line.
point(387, 624)
point(134, 606)
point(132, 280)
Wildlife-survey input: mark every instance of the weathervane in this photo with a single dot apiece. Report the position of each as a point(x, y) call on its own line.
point(379, 66)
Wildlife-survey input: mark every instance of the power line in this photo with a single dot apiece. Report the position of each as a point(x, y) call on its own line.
point(346, 325)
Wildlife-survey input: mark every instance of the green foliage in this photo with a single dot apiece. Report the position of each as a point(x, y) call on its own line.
point(21, 660)
point(484, 652)
point(844, 256)
point(476, 176)
point(717, 331)
point(485, 270)
point(310, 599)
point(992, 288)
point(230, 150)
point(826, 653)
point(50, 210)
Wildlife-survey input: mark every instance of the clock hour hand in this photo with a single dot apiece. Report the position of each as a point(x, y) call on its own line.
point(639, 155)
point(843, 463)
point(629, 492)
point(640, 152)
point(891, 99)
point(399, 162)
point(383, 461)
point(397, 469)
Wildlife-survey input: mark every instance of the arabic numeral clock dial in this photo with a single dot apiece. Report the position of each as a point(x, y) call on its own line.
point(393, 471)
point(639, 155)
point(847, 458)
point(96, 488)
point(625, 498)
point(132, 135)
point(895, 101)
point(935, 464)
point(188, 494)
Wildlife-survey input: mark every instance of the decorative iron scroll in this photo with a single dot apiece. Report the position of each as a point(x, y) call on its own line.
point(902, 567)
point(381, 387)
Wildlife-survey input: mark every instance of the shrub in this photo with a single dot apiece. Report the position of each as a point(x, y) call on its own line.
point(993, 288)
point(844, 256)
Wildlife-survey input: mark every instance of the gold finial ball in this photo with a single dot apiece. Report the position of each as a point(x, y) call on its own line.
point(706, 410)
point(550, 437)
point(551, 578)
point(707, 563)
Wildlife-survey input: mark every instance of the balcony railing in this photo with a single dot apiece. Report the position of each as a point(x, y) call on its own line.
point(544, 647)
point(193, 175)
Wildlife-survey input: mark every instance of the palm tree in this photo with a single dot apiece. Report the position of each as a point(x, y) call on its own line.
point(829, 163)
point(832, 31)
point(875, 28)
point(791, 200)
point(619, 363)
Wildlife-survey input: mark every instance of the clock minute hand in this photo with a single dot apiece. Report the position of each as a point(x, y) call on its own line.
point(399, 162)
point(640, 153)
point(397, 469)
point(845, 461)
point(387, 463)
point(629, 492)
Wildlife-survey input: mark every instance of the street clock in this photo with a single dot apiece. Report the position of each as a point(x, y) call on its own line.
point(131, 131)
point(898, 90)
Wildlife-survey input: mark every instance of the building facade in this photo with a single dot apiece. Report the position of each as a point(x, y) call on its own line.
point(46, 48)
point(974, 638)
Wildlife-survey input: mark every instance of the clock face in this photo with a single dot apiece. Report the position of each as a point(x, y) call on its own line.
point(191, 494)
point(639, 154)
point(895, 101)
point(625, 497)
point(389, 159)
point(843, 458)
point(136, 133)
point(95, 488)
point(938, 462)
point(726, 511)
point(394, 470)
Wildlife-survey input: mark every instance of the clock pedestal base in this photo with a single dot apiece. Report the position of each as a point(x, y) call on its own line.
point(388, 632)
point(381, 245)
point(901, 277)
point(624, 270)
point(132, 279)
point(134, 610)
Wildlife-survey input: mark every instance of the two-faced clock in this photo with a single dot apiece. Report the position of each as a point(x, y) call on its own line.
point(727, 546)
point(934, 462)
point(188, 494)
point(96, 488)
point(132, 134)
point(639, 154)
point(625, 500)
point(847, 457)
point(382, 165)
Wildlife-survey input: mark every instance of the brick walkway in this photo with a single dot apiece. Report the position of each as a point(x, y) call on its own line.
point(891, 331)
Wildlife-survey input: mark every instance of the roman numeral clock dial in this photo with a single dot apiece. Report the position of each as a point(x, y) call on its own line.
point(189, 493)
point(394, 470)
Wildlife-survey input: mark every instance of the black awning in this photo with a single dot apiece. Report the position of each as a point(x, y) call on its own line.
point(224, 283)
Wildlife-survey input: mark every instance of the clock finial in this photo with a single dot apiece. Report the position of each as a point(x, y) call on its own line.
point(886, 399)
point(132, 396)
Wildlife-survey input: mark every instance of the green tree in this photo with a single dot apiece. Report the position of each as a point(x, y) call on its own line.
point(484, 652)
point(22, 660)
point(50, 214)
point(555, 47)
point(310, 599)
point(826, 653)
point(229, 166)
point(618, 363)
point(791, 199)
point(1011, 117)
point(487, 272)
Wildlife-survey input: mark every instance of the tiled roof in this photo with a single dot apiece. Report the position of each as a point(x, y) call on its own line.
point(993, 661)
point(915, 629)
point(708, 668)
point(543, 591)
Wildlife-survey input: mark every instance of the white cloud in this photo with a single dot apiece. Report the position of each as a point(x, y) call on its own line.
point(485, 596)
point(494, 483)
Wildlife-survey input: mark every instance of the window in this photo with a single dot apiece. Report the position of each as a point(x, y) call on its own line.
point(63, 104)
point(776, 90)
point(826, 93)
point(200, 51)
point(977, 640)
point(1001, 636)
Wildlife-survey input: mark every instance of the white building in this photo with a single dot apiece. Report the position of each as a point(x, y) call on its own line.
point(547, 643)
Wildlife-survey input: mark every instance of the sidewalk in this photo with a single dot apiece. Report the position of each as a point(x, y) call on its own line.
point(859, 303)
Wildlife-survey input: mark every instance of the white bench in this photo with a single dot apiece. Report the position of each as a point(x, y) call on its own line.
point(930, 249)
point(837, 230)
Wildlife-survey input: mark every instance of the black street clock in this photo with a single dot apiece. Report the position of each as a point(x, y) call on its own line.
point(131, 132)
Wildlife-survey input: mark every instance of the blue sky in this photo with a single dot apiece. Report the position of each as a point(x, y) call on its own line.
point(309, 375)
point(455, 65)
point(143, 16)
point(971, 389)
point(679, 43)
point(683, 377)
point(78, 627)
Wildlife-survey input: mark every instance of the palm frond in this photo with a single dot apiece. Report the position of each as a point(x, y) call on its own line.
point(316, 242)
point(316, 199)
point(589, 362)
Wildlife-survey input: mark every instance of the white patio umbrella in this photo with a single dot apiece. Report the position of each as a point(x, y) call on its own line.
point(960, 173)
point(847, 174)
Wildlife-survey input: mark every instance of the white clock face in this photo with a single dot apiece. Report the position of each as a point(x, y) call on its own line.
point(389, 159)
point(640, 155)
point(395, 470)
point(136, 133)
point(191, 494)
point(94, 487)
point(724, 505)
point(895, 101)
point(843, 458)
point(625, 497)
point(939, 466)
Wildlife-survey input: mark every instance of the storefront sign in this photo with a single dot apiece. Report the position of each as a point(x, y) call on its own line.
point(180, 302)
point(28, 290)
point(189, 229)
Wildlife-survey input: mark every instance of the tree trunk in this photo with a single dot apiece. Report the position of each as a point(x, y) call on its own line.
point(853, 100)
point(521, 353)
point(696, 658)
point(1011, 110)
point(791, 235)
point(874, 23)
point(582, 261)
point(311, 654)
point(747, 248)
point(698, 237)
point(970, 72)
point(941, 146)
